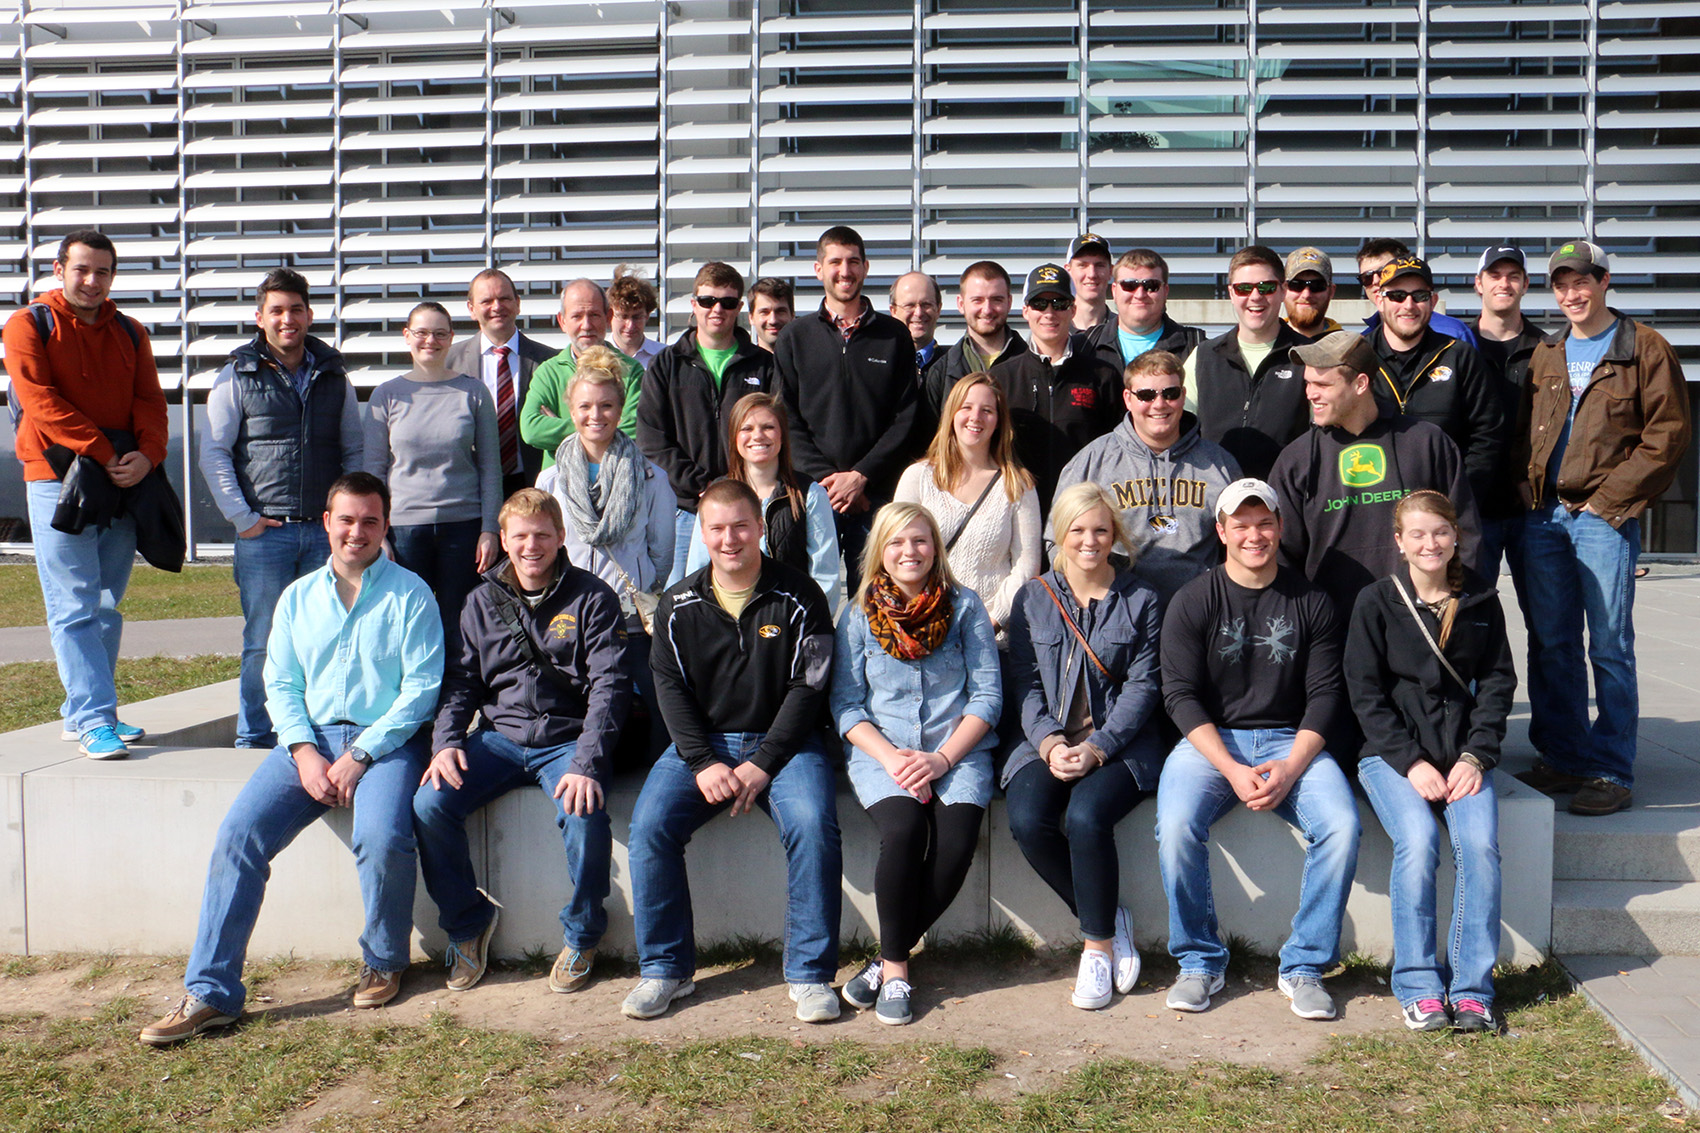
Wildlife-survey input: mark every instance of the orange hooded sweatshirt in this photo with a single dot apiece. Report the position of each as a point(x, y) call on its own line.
point(89, 377)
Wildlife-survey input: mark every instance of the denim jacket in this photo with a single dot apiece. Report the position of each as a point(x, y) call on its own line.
point(917, 704)
point(1044, 665)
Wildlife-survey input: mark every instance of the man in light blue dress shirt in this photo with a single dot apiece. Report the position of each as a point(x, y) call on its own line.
point(352, 673)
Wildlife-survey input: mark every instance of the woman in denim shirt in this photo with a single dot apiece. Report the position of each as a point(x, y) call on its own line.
point(1088, 750)
point(916, 694)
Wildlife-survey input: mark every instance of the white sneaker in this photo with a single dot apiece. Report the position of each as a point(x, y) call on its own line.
point(1092, 986)
point(1125, 955)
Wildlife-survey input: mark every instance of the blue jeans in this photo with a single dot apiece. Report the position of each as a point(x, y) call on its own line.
point(270, 811)
point(684, 522)
point(1414, 825)
point(1067, 832)
point(265, 565)
point(1579, 567)
point(1192, 795)
point(802, 800)
point(643, 683)
point(496, 765)
point(445, 555)
point(83, 578)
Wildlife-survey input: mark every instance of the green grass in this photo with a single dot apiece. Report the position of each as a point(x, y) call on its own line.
point(33, 691)
point(1560, 1069)
point(154, 595)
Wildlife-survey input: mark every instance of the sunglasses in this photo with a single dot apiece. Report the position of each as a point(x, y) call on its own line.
point(1368, 278)
point(1401, 296)
point(1053, 303)
point(1303, 285)
point(725, 302)
point(1149, 286)
point(1167, 393)
point(1262, 287)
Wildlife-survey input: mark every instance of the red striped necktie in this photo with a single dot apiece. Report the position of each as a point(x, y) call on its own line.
point(505, 417)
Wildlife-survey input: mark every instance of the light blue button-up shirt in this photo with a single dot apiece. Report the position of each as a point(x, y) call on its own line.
point(917, 704)
point(378, 665)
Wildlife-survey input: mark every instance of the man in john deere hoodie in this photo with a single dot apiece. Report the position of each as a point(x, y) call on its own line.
point(983, 299)
point(83, 380)
point(542, 662)
point(1140, 282)
point(742, 657)
point(1247, 392)
point(1608, 426)
point(283, 422)
point(1434, 377)
point(1061, 395)
point(848, 380)
point(1163, 474)
point(1341, 479)
point(689, 392)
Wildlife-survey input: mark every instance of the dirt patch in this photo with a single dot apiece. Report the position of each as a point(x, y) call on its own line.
point(1018, 1009)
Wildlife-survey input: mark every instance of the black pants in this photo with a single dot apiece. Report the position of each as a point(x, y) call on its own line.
point(1067, 832)
point(925, 852)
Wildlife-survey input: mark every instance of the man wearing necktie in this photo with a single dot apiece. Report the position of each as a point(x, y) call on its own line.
point(503, 359)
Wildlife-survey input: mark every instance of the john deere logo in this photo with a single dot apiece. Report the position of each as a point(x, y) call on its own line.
point(1567, 250)
point(1362, 466)
point(768, 631)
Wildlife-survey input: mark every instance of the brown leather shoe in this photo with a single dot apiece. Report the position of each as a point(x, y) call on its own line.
point(376, 988)
point(468, 960)
point(1601, 796)
point(189, 1018)
point(1549, 780)
point(572, 969)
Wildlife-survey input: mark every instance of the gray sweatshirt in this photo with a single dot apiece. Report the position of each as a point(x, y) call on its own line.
point(437, 446)
point(1168, 499)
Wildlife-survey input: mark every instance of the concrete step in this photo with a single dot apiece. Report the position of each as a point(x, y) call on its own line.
point(1642, 918)
point(1657, 839)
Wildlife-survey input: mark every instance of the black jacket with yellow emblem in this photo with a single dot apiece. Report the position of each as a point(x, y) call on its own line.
point(763, 671)
point(578, 627)
point(1445, 382)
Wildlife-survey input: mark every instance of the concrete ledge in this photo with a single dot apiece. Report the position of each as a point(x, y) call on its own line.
point(113, 857)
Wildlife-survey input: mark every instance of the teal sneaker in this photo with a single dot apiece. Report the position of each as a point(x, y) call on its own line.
point(127, 733)
point(103, 743)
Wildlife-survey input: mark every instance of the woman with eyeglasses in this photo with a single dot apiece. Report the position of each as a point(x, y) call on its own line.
point(1163, 474)
point(983, 499)
point(431, 435)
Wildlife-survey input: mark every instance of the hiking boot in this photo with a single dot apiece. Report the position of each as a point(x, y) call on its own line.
point(1549, 780)
point(1124, 956)
point(1427, 1015)
point(127, 733)
point(653, 995)
point(1471, 1015)
point(893, 1006)
point(102, 742)
point(376, 988)
point(189, 1018)
point(1310, 999)
point(862, 990)
point(1193, 990)
point(1093, 983)
point(1601, 796)
point(571, 970)
point(468, 960)
point(816, 1003)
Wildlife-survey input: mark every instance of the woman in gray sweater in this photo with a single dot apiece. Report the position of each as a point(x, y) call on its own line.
point(431, 435)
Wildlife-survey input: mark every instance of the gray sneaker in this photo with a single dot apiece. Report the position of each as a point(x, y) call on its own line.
point(862, 990)
point(652, 996)
point(893, 1007)
point(1192, 991)
point(1310, 999)
point(816, 1003)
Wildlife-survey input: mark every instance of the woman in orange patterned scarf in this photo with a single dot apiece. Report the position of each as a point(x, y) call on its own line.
point(916, 695)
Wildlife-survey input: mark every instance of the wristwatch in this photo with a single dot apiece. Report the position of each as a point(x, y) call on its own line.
point(359, 755)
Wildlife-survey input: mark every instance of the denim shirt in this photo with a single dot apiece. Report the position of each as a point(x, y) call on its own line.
point(378, 665)
point(917, 704)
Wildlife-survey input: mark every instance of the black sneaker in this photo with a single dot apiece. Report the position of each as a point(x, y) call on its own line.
point(893, 1007)
point(1549, 780)
point(1473, 1016)
point(1601, 796)
point(862, 990)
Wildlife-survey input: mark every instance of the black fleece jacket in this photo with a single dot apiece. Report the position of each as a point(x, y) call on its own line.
point(1409, 706)
point(767, 671)
point(681, 421)
point(1444, 381)
point(1252, 415)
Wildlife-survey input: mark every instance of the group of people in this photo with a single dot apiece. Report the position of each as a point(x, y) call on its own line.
point(1130, 560)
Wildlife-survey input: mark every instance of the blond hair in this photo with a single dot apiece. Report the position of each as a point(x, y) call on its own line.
point(1078, 499)
point(888, 521)
point(945, 455)
point(528, 502)
point(601, 366)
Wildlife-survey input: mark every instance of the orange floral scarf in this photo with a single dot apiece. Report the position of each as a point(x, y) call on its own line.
point(907, 630)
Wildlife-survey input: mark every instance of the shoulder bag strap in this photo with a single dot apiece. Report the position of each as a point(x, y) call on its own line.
point(1428, 637)
point(969, 518)
point(508, 610)
point(1084, 644)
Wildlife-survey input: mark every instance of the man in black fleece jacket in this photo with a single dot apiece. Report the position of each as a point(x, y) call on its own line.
point(847, 377)
point(742, 653)
point(542, 660)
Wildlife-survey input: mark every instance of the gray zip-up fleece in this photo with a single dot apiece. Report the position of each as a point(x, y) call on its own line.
point(1168, 499)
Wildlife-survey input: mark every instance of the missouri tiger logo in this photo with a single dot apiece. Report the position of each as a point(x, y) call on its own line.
point(768, 631)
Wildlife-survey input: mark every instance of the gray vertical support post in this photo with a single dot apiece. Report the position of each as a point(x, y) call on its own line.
point(1590, 130)
point(490, 20)
point(1251, 121)
point(189, 482)
point(918, 150)
point(663, 10)
point(1422, 128)
point(337, 126)
point(27, 134)
point(1083, 124)
point(755, 140)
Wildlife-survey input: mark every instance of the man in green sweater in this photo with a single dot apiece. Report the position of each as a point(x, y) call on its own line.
point(544, 421)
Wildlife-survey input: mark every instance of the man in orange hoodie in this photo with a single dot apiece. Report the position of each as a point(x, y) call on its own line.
point(88, 384)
